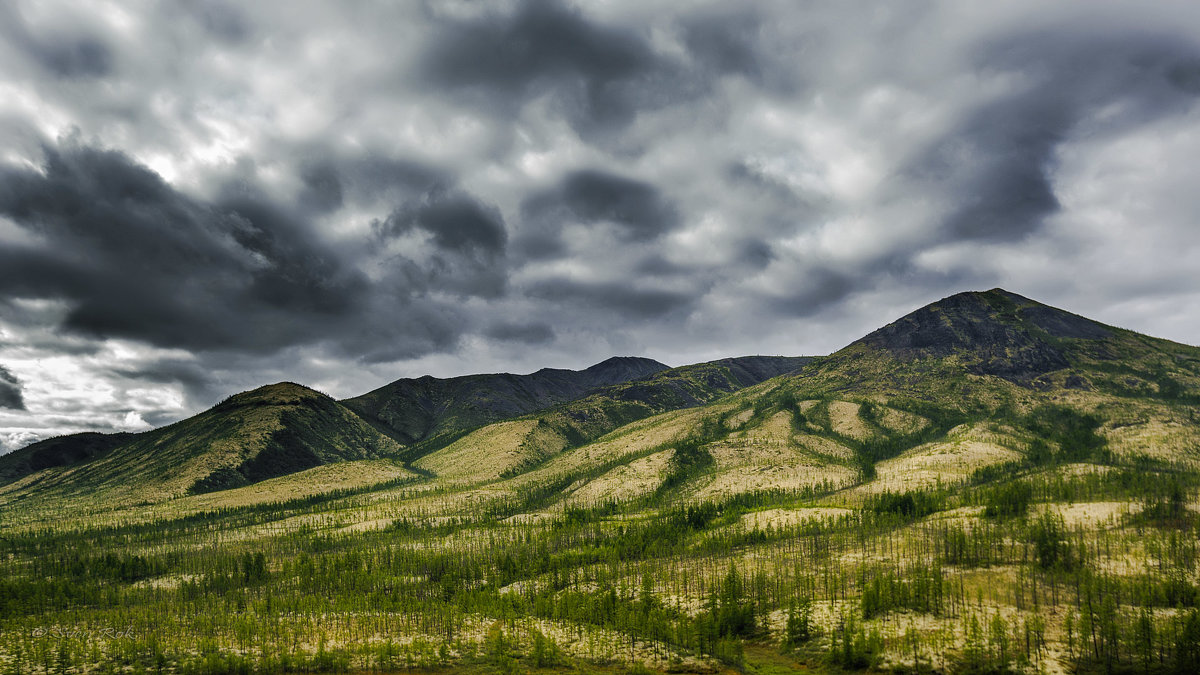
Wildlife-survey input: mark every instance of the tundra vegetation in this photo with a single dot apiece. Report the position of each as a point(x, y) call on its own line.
point(985, 486)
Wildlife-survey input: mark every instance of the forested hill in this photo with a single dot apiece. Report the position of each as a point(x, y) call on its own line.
point(414, 410)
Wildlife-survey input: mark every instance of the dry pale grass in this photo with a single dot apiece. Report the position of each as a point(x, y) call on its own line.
point(776, 430)
point(1164, 440)
point(821, 446)
point(743, 479)
point(629, 481)
point(942, 462)
point(465, 502)
point(963, 515)
point(314, 481)
point(1092, 515)
point(486, 453)
point(899, 421)
point(168, 582)
point(1081, 469)
point(735, 422)
point(659, 431)
point(530, 518)
point(369, 525)
point(845, 421)
point(769, 456)
point(801, 474)
point(805, 406)
point(777, 518)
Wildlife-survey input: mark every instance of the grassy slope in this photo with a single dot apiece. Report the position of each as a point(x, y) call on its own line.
point(268, 432)
point(793, 481)
point(508, 448)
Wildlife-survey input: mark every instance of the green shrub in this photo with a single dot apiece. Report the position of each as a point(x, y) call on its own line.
point(1009, 500)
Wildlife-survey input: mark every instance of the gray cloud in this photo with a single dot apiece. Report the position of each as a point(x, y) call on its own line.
point(817, 289)
point(622, 299)
point(139, 260)
point(636, 209)
point(220, 19)
point(530, 334)
point(1000, 157)
point(331, 181)
point(469, 239)
point(10, 391)
point(216, 195)
point(595, 71)
point(455, 221)
point(727, 40)
point(66, 51)
point(322, 187)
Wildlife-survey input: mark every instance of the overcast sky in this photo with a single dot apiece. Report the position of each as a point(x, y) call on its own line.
point(197, 198)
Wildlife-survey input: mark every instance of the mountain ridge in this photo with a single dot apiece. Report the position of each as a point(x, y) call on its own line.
point(263, 433)
point(978, 457)
point(412, 410)
point(974, 352)
point(285, 427)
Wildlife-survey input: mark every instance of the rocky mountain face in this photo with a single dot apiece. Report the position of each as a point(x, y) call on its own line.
point(995, 333)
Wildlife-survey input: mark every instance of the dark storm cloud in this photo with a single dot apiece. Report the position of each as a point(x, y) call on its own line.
point(469, 239)
point(756, 254)
point(195, 377)
point(1000, 158)
point(593, 196)
point(601, 76)
point(134, 258)
point(596, 71)
point(816, 289)
point(619, 298)
point(137, 259)
point(526, 333)
point(455, 221)
point(637, 209)
point(10, 391)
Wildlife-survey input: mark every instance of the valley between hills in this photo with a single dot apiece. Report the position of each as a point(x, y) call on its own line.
point(985, 485)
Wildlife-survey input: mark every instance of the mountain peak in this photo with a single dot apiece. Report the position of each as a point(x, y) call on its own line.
point(995, 332)
point(617, 369)
point(624, 360)
point(280, 393)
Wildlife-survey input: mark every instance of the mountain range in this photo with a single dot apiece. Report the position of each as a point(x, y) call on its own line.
point(969, 367)
point(986, 484)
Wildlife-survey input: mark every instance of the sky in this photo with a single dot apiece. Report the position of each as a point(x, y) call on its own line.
point(198, 198)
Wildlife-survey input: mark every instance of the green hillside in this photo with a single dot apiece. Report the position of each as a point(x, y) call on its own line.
point(271, 431)
point(986, 485)
point(507, 448)
point(58, 451)
point(429, 408)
